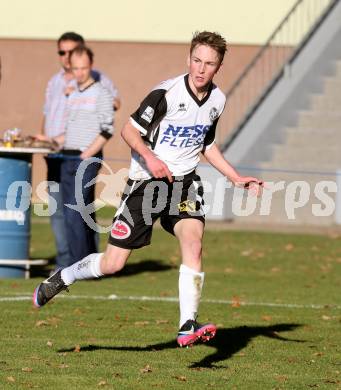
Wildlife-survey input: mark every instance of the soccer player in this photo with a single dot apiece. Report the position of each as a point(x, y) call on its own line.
point(173, 125)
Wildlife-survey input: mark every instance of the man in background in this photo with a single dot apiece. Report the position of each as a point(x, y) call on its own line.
point(60, 86)
point(89, 125)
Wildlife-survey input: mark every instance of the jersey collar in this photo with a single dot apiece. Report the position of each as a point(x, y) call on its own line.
point(198, 101)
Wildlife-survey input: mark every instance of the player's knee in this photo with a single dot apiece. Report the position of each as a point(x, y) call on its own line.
point(194, 245)
point(111, 265)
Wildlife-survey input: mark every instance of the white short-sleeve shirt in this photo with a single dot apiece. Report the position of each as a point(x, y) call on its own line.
point(176, 125)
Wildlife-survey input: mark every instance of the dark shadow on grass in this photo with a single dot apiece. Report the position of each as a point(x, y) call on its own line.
point(42, 271)
point(228, 342)
point(129, 270)
point(143, 266)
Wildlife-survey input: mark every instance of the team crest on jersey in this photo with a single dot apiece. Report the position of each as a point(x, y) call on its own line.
point(186, 206)
point(214, 114)
point(120, 230)
point(182, 107)
point(148, 114)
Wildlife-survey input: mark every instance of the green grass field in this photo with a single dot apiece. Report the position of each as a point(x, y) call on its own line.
point(279, 319)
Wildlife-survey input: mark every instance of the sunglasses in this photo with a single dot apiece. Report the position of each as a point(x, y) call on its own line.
point(63, 52)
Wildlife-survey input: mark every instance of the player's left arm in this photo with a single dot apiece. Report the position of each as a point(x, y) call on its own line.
point(214, 156)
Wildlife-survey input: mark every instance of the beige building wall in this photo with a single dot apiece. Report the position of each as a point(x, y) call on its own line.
point(240, 21)
point(135, 68)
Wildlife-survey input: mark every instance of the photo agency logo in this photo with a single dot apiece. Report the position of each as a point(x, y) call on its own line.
point(157, 196)
point(291, 196)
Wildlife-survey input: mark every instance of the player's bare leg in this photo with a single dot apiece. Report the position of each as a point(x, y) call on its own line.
point(93, 266)
point(189, 233)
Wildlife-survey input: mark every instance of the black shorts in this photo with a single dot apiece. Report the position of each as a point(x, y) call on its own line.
point(144, 201)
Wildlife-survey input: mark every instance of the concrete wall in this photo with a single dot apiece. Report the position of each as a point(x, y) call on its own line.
point(303, 77)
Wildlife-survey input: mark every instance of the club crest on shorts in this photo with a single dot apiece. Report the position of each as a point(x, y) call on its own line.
point(120, 230)
point(187, 206)
point(214, 114)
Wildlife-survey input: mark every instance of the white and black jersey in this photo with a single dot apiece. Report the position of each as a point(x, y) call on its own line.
point(176, 125)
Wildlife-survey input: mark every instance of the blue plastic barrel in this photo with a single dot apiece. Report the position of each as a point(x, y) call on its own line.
point(14, 214)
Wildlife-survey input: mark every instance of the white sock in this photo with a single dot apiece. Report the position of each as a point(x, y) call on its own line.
point(190, 286)
point(87, 268)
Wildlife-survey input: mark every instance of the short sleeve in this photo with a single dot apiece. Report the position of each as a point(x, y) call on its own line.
point(210, 135)
point(150, 113)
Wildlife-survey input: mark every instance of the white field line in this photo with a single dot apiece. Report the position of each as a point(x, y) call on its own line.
point(114, 297)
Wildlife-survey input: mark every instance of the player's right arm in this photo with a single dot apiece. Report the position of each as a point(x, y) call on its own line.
point(144, 123)
point(133, 138)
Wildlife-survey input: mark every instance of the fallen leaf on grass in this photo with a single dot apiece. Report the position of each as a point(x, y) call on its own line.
point(30, 385)
point(159, 322)
point(77, 348)
point(78, 311)
point(292, 360)
point(49, 343)
point(181, 378)
point(275, 269)
point(289, 247)
point(102, 383)
point(318, 354)
point(326, 318)
point(63, 365)
point(81, 324)
point(281, 378)
point(26, 369)
point(236, 301)
point(228, 270)
point(164, 294)
point(266, 318)
point(10, 379)
point(141, 323)
point(146, 369)
point(247, 252)
point(42, 323)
